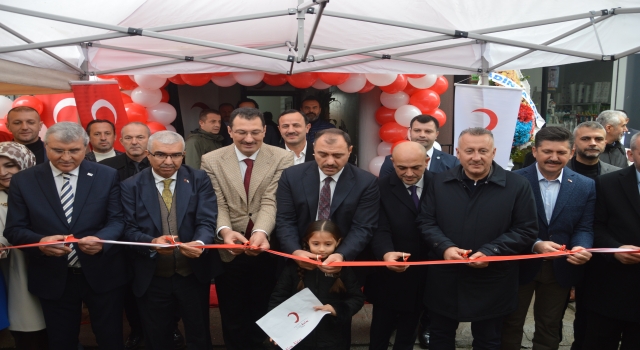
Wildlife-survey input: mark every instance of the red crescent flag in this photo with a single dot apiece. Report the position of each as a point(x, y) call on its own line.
point(100, 100)
point(60, 104)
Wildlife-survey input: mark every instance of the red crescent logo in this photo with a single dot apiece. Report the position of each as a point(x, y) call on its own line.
point(201, 105)
point(493, 118)
point(296, 315)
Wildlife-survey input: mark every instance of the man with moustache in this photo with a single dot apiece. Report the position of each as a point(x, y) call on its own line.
point(615, 124)
point(396, 292)
point(565, 202)
point(475, 209)
point(24, 124)
point(312, 110)
point(245, 176)
point(205, 138)
point(102, 135)
point(271, 135)
point(424, 129)
point(294, 127)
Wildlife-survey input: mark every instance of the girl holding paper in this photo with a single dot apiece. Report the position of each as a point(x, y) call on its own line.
point(340, 293)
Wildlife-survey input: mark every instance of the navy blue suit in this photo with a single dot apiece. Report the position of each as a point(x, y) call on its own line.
point(34, 212)
point(440, 162)
point(571, 223)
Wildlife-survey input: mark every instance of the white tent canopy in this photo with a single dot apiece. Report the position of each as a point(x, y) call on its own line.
point(81, 38)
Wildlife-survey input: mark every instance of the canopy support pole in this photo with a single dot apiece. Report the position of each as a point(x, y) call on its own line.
point(307, 47)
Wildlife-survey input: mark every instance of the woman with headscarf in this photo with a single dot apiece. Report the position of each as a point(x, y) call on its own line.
point(25, 319)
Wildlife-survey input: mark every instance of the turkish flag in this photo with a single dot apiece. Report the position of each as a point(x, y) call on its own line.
point(100, 100)
point(58, 108)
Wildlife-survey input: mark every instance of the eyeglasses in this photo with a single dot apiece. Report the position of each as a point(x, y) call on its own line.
point(71, 152)
point(163, 156)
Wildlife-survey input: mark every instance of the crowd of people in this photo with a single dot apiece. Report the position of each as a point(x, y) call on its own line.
point(291, 187)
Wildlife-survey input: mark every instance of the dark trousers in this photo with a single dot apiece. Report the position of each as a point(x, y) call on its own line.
point(604, 333)
point(385, 320)
point(580, 320)
point(548, 308)
point(31, 340)
point(62, 316)
point(244, 290)
point(157, 308)
point(486, 333)
point(131, 311)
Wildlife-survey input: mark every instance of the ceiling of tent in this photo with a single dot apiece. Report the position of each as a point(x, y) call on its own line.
point(355, 36)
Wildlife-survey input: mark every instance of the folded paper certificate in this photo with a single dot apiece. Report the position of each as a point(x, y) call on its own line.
point(292, 320)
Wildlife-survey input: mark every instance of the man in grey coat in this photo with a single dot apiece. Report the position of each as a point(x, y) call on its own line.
point(615, 124)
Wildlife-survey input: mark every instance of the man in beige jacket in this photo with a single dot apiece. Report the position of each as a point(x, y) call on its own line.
point(245, 178)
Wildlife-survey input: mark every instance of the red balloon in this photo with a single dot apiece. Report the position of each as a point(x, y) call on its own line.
point(5, 136)
point(415, 76)
point(367, 87)
point(166, 83)
point(397, 143)
point(425, 99)
point(136, 113)
point(398, 85)
point(165, 95)
point(221, 74)
point(176, 79)
point(275, 80)
point(410, 90)
point(68, 114)
point(385, 115)
point(125, 82)
point(393, 132)
point(29, 101)
point(125, 98)
point(441, 85)
point(440, 116)
point(155, 127)
point(334, 78)
point(198, 79)
point(302, 80)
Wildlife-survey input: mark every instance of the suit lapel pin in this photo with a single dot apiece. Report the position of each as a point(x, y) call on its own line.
point(90, 174)
point(569, 180)
point(185, 180)
point(438, 157)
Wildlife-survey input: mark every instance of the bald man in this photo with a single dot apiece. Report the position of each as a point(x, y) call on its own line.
point(398, 238)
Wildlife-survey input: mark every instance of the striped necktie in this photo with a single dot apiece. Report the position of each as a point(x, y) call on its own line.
point(66, 198)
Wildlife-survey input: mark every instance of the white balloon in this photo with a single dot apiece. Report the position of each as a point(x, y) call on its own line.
point(320, 85)
point(381, 79)
point(170, 127)
point(248, 78)
point(166, 76)
point(355, 83)
point(150, 82)
point(226, 81)
point(404, 114)
point(384, 148)
point(425, 82)
point(43, 131)
point(375, 164)
point(146, 97)
point(162, 113)
point(394, 101)
point(5, 105)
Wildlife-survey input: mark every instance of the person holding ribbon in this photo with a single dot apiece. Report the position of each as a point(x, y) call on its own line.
point(174, 207)
point(26, 322)
point(68, 199)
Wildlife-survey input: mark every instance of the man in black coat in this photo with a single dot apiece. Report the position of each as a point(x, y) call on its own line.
point(327, 189)
point(477, 206)
point(397, 291)
point(613, 280)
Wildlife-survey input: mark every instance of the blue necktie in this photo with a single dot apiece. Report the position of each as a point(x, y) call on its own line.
point(414, 196)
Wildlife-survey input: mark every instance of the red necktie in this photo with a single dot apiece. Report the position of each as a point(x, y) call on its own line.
point(324, 207)
point(247, 182)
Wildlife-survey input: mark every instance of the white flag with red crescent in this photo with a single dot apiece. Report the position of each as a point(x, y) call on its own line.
point(491, 107)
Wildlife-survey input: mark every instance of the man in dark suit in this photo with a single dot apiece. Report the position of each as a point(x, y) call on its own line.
point(476, 209)
point(565, 203)
point(395, 291)
point(134, 138)
point(102, 136)
point(613, 280)
point(165, 203)
point(424, 129)
point(294, 127)
point(327, 189)
point(80, 199)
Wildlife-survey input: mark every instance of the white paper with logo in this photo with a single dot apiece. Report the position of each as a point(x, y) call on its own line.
point(293, 320)
point(491, 107)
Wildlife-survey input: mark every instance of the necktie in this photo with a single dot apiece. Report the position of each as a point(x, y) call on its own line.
point(324, 207)
point(66, 199)
point(247, 183)
point(414, 196)
point(167, 197)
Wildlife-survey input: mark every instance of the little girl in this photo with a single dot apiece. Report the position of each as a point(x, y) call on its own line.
point(339, 293)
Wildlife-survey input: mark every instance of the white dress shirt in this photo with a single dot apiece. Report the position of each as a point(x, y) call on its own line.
point(549, 190)
point(332, 184)
point(160, 181)
point(430, 154)
point(57, 177)
point(419, 186)
point(298, 160)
